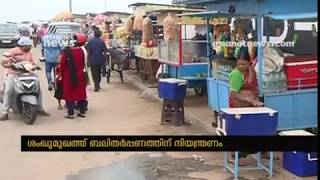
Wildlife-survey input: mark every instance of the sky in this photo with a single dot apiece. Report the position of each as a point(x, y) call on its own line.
point(30, 10)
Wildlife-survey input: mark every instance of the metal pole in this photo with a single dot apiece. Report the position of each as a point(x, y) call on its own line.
point(70, 5)
point(260, 55)
point(208, 47)
point(267, 29)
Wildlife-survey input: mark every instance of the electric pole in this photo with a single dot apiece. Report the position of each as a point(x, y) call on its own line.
point(70, 6)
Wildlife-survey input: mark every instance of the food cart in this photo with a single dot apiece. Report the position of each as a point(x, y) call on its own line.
point(186, 57)
point(119, 51)
point(115, 15)
point(147, 55)
point(297, 106)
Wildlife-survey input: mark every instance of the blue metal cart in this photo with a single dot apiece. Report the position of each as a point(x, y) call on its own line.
point(297, 108)
point(186, 58)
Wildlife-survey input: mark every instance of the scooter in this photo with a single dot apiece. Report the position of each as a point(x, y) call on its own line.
point(26, 90)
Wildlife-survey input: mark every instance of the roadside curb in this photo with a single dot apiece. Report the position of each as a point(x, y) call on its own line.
point(189, 117)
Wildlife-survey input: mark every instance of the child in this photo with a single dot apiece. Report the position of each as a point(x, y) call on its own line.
point(58, 85)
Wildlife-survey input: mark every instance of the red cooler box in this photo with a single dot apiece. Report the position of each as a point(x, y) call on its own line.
point(302, 72)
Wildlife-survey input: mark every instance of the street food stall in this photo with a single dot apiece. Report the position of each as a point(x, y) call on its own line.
point(184, 51)
point(116, 36)
point(287, 76)
point(143, 43)
point(113, 21)
point(146, 52)
point(291, 93)
point(115, 15)
point(119, 51)
point(146, 49)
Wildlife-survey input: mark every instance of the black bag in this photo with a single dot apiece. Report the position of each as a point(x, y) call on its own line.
point(86, 76)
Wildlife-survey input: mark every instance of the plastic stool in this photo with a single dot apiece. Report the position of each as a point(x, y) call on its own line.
point(172, 112)
point(235, 170)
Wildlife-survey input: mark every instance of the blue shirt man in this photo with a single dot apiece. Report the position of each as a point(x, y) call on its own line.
point(96, 51)
point(52, 47)
point(97, 58)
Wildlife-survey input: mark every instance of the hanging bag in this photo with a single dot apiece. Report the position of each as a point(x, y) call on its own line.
point(85, 69)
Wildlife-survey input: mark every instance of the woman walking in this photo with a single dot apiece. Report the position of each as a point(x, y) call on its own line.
point(73, 77)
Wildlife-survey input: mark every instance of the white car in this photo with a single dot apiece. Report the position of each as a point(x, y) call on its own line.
point(9, 35)
point(64, 28)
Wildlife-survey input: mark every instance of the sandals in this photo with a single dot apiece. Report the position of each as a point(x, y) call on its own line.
point(81, 115)
point(72, 116)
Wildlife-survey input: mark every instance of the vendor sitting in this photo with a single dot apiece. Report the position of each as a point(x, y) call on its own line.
point(243, 90)
point(243, 83)
point(106, 32)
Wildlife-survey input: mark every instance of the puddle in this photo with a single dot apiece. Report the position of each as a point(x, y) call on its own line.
point(146, 167)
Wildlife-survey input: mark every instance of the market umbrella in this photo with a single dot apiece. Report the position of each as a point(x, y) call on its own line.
point(99, 19)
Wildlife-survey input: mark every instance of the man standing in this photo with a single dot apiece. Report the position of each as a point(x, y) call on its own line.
point(86, 30)
point(91, 32)
point(51, 52)
point(44, 30)
point(106, 32)
point(96, 57)
point(34, 34)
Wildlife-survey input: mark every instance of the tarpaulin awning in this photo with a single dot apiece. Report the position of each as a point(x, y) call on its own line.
point(293, 16)
point(215, 14)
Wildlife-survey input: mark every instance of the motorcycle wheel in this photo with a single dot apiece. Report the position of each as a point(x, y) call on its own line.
point(30, 113)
